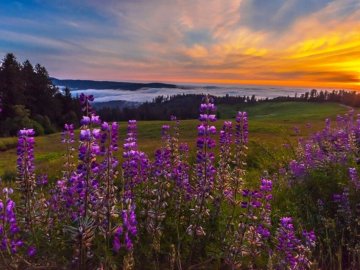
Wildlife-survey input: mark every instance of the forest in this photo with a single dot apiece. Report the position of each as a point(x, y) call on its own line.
point(29, 99)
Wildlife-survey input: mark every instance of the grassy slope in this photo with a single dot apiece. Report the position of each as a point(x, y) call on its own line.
point(271, 126)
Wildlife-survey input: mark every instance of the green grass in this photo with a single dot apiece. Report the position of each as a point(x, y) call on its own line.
point(297, 112)
point(7, 143)
point(271, 125)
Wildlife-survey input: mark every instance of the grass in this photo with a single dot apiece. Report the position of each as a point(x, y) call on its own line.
point(7, 143)
point(296, 112)
point(270, 124)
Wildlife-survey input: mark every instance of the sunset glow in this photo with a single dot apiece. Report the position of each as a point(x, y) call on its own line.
point(313, 43)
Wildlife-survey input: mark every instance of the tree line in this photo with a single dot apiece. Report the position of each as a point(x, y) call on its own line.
point(349, 98)
point(30, 100)
point(183, 106)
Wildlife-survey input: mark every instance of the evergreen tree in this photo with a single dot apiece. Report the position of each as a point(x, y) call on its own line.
point(30, 100)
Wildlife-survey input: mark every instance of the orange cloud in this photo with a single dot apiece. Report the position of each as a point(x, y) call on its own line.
point(318, 50)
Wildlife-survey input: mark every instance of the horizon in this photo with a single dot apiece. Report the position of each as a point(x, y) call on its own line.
point(233, 42)
point(195, 84)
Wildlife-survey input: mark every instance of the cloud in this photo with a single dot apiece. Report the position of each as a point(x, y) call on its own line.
point(232, 41)
point(276, 15)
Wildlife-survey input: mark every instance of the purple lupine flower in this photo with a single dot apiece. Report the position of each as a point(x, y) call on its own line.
point(266, 197)
point(178, 155)
point(160, 187)
point(336, 145)
point(205, 167)
point(114, 136)
point(354, 178)
point(310, 238)
point(234, 189)
point(124, 235)
point(252, 230)
point(85, 120)
point(63, 194)
point(135, 172)
point(83, 202)
point(181, 171)
point(226, 133)
point(88, 167)
point(241, 141)
point(85, 101)
point(291, 252)
point(31, 251)
point(81, 184)
point(26, 172)
point(344, 213)
point(42, 180)
point(258, 203)
point(264, 232)
point(109, 145)
point(136, 163)
point(242, 131)
point(9, 231)
point(116, 240)
point(287, 243)
point(224, 174)
point(95, 119)
point(296, 130)
point(205, 142)
point(297, 168)
point(68, 135)
point(85, 135)
point(266, 185)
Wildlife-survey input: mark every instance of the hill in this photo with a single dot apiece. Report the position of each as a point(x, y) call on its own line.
point(89, 84)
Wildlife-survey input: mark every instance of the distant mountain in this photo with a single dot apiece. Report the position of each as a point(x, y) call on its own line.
point(88, 84)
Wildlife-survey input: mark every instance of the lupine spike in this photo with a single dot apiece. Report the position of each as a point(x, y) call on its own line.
point(26, 173)
point(10, 241)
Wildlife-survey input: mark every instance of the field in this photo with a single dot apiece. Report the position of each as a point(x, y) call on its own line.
point(270, 125)
point(287, 197)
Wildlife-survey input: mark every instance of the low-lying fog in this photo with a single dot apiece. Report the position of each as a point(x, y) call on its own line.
point(148, 94)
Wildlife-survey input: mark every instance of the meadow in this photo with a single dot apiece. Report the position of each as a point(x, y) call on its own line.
point(273, 188)
point(271, 124)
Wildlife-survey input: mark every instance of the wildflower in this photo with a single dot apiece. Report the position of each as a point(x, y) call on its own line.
point(9, 231)
point(242, 131)
point(26, 172)
point(291, 252)
point(31, 251)
point(125, 233)
point(354, 178)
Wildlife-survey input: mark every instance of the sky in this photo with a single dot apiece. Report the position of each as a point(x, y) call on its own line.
point(310, 43)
